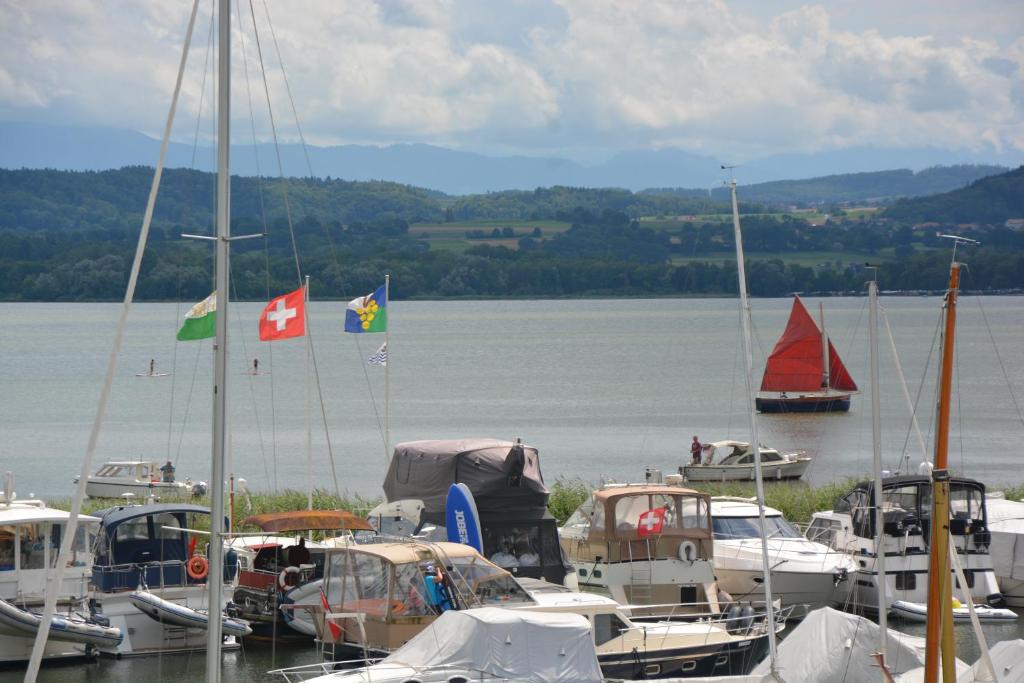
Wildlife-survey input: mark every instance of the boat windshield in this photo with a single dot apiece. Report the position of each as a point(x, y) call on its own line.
point(731, 528)
point(682, 512)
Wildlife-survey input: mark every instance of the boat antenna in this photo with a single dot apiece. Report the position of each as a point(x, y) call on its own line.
point(748, 369)
point(957, 241)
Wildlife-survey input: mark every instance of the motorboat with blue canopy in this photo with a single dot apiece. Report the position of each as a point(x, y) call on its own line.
point(161, 548)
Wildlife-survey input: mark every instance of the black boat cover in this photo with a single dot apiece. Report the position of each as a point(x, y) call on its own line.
point(501, 474)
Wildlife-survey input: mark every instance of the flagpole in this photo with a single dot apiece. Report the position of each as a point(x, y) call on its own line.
point(309, 403)
point(387, 369)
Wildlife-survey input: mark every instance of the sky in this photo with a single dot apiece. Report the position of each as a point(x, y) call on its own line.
point(581, 79)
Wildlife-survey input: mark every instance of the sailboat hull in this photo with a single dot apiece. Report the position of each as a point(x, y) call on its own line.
point(804, 403)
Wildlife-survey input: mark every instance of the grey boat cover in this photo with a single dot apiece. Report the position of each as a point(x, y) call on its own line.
point(535, 647)
point(502, 475)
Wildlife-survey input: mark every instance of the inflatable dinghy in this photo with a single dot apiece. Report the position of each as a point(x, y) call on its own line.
point(916, 611)
point(167, 612)
point(70, 629)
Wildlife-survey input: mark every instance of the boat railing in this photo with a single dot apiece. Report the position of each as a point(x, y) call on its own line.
point(127, 576)
point(296, 674)
point(703, 611)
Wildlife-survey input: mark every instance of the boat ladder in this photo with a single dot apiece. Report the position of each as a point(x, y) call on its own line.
point(641, 574)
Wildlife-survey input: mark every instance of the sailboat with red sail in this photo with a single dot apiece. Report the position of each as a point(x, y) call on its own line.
point(804, 374)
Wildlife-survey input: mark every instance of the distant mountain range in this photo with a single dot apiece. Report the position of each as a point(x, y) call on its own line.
point(31, 145)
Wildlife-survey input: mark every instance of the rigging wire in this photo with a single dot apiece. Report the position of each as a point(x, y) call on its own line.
point(327, 234)
point(999, 358)
point(295, 249)
point(266, 233)
point(905, 455)
point(177, 316)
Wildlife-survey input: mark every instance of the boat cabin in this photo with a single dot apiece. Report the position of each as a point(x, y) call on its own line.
point(30, 537)
point(139, 470)
point(907, 510)
point(646, 543)
point(739, 453)
point(400, 587)
point(150, 544)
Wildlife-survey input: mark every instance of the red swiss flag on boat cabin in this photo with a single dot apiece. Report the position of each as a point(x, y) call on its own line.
point(651, 522)
point(284, 317)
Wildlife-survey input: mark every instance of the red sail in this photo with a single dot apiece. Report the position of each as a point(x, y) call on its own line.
point(795, 363)
point(838, 377)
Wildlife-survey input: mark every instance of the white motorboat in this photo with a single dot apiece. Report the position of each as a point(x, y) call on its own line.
point(1006, 524)
point(155, 547)
point(30, 535)
point(805, 574)
point(734, 461)
point(906, 506)
point(140, 478)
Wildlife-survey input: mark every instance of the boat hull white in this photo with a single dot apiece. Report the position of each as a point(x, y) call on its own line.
point(783, 470)
point(805, 591)
point(111, 488)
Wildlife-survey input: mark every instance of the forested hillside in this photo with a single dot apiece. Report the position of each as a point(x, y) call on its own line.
point(990, 200)
point(70, 237)
point(874, 188)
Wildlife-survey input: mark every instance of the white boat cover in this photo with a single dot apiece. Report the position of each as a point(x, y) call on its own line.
point(1007, 660)
point(545, 647)
point(829, 646)
point(1006, 522)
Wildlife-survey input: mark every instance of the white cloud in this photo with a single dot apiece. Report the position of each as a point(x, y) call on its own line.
point(540, 76)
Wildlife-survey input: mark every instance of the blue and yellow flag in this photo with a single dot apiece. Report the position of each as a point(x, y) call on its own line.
point(368, 313)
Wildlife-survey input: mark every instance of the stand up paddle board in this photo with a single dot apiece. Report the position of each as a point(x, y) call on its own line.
point(462, 520)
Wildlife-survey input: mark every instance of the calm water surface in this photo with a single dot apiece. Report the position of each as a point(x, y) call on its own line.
point(603, 389)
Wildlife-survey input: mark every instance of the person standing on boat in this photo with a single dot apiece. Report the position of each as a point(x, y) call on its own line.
point(695, 451)
point(152, 366)
point(168, 472)
point(255, 366)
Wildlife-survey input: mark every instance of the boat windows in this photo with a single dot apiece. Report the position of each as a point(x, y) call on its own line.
point(730, 528)
point(681, 512)
point(32, 543)
point(578, 524)
point(411, 591)
point(905, 581)
point(513, 546)
point(965, 503)
point(607, 627)
point(822, 530)
point(7, 548)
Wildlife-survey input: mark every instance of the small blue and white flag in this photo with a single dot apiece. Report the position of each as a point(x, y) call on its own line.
point(380, 357)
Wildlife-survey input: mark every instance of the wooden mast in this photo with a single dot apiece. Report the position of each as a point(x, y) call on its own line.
point(939, 629)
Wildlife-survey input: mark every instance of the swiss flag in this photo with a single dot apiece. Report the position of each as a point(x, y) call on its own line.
point(284, 317)
point(651, 522)
point(335, 629)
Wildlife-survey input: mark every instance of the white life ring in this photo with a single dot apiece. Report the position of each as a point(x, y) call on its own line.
point(687, 551)
point(282, 578)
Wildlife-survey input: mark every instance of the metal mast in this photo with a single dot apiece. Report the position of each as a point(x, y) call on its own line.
point(220, 360)
point(748, 368)
point(876, 440)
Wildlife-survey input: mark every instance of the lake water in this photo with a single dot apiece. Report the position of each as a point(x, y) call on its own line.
point(603, 388)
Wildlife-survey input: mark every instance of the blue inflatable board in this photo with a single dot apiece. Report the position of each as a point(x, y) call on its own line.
point(461, 518)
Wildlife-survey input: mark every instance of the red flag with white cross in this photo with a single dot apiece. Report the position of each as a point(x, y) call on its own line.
point(284, 317)
point(651, 522)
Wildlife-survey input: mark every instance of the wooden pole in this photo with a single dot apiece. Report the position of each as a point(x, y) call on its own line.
point(940, 601)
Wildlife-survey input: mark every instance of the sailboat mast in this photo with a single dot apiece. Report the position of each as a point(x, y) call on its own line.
point(825, 380)
point(387, 371)
point(876, 440)
point(741, 274)
point(215, 580)
point(939, 584)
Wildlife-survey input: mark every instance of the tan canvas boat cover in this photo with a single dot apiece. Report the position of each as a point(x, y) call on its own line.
point(501, 474)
